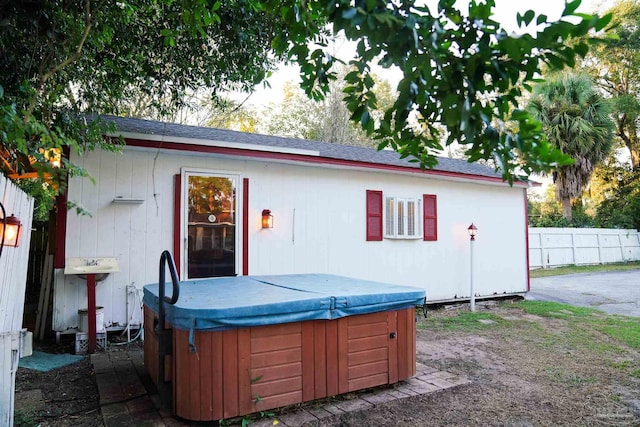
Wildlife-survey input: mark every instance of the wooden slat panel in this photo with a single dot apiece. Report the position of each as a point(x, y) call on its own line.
point(245, 399)
point(411, 342)
point(262, 390)
point(332, 362)
point(205, 359)
point(276, 357)
point(343, 351)
point(394, 347)
point(308, 365)
point(368, 356)
point(271, 330)
point(369, 370)
point(402, 345)
point(150, 346)
point(217, 376)
point(278, 401)
point(271, 373)
point(276, 342)
point(411, 313)
point(361, 344)
point(195, 374)
point(320, 359)
point(181, 395)
point(365, 319)
point(230, 373)
point(367, 330)
point(368, 382)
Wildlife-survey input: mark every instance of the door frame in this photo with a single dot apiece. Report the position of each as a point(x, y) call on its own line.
point(183, 233)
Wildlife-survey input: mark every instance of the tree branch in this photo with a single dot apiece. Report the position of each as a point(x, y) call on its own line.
point(46, 76)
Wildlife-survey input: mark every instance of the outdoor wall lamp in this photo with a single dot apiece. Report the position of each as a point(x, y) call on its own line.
point(11, 230)
point(472, 233)
point(267, 219)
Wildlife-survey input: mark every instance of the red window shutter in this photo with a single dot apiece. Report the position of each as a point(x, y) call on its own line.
point(430, 215)
point(374, 215)
point(177, 220)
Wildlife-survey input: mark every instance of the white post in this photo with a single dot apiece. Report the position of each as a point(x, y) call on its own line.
point(472, 301)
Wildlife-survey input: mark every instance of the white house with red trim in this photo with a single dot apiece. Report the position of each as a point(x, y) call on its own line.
point(345, 210)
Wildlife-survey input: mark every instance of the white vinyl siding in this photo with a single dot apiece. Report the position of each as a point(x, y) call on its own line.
point(402, 218)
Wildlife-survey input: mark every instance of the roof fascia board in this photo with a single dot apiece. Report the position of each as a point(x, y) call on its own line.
point(212, 143)
point(327, 162)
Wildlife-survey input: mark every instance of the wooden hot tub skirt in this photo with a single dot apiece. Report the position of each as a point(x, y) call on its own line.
point(240, 371)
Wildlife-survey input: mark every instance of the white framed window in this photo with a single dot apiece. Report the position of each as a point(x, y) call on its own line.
point(403, 218)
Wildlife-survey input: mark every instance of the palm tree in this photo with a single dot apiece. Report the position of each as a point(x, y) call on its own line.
point(577, 120)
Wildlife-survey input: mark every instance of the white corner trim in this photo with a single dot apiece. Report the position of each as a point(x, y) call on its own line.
point(211, 143)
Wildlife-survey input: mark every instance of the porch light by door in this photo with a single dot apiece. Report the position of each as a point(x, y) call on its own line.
point(267, 219)
point(10, 230)
point(472, 229)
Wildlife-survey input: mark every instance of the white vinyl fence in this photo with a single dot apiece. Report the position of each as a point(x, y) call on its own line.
point(13, 281)
point(552, 247)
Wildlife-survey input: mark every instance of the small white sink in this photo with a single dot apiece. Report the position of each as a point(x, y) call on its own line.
point(101, 267)
point(92, 269)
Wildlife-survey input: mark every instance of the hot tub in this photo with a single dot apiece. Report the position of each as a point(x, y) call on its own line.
point(245, 344)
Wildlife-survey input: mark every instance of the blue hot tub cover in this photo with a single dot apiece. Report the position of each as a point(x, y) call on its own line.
point(230, 302)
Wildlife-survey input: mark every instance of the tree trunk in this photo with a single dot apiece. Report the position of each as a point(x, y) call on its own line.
point(566, 208)
point(635, 159)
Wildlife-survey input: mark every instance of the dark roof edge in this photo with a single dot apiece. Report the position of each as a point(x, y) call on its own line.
point(202, 139)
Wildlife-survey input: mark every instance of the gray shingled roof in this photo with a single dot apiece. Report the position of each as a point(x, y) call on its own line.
point(326, 150)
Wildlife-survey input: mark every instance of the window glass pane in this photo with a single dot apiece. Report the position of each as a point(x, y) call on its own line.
point(411, 218)
point(401, 218)
point(389, 212)
point(211, 226)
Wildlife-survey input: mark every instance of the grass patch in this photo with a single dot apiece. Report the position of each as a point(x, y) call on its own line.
point(624, 329)
point(554, 309)
point(572, 269)
point(462, 321)
point(568, 378)
point(621, 328)
point(23, 420)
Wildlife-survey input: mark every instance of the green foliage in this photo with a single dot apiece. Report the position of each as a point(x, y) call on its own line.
point(23, 420)
point(460, 70)
point(615, 64)
point(60, 60)
point(576, 119)
point(621, 206)
point(451, 63)
point(326, 120)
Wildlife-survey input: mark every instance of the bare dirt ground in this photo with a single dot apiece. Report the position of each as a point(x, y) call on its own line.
point(524, 370)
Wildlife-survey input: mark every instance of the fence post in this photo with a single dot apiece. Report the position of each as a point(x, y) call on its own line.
point(622, 248)
point(599, 248)
point(542, 258)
